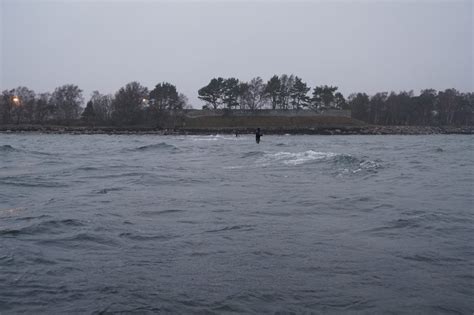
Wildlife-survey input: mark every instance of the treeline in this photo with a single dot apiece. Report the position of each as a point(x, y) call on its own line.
point(448, 107)
point(283, 92)
point(135, 104)
point(131, 104)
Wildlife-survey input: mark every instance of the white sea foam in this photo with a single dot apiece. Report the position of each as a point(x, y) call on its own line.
point(294, 158)
point(218, 137)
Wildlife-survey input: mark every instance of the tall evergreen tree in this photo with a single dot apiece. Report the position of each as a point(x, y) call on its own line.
point(323, 97)
point(448, 104)
point(272, 89)
point(88, 115)
point(377, 107)
point(359, 104)
point(298, 92)
point(212, 93)
point(340, 101)
point(425, 106)
point(231, 92)
point(164, 97)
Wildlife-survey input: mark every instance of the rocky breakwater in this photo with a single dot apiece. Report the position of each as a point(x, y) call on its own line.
point(317, 130)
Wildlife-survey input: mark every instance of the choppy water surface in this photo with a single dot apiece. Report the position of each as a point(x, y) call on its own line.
point(218, 224)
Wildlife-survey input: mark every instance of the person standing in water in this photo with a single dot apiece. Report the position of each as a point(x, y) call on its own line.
point(258, 134)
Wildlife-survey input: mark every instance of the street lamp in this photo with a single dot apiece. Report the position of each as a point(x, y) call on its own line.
point(17, 102)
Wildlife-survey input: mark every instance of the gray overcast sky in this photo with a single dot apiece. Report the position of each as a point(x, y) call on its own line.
point(365, 46)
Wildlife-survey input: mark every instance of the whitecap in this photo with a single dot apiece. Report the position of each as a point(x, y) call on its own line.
point(218, 137)
point(294, 158)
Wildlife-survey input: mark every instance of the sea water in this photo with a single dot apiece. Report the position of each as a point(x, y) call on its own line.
point(213, 224)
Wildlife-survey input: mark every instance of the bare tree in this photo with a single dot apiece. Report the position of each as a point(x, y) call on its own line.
point(6, 106)
point(102, 105)
point(43, 108)
point(67, 101)
point(286, 85)
point(252, 94)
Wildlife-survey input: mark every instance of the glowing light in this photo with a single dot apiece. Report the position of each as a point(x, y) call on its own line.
point(16, 100)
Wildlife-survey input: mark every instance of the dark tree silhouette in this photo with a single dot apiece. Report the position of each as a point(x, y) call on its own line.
point(43, 108)
point(359, 104)
point(88, 115)
point(102, 105)
point(128, 104)
point(252, 94)
point(231, 92)
point(164, 97)
point(66, 101)
point(298, 92)
point(340, 101)
point(286, 84)
point(212, 93)
point(272, 89)
point(323, 97)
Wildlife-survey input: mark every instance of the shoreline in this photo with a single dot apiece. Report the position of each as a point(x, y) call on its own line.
point(319, 130)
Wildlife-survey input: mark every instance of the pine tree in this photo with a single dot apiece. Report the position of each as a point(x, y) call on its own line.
point(272, 89)
point(298, 92)
point(231, 92)
point(212, 93)
point(88, 115)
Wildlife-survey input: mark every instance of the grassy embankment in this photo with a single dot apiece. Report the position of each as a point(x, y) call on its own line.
point(274, 124)
point(209, 124)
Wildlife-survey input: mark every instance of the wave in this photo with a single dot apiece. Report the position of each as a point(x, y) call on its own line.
point(244, 227)
point(346, 159)
point(252, 154)
point(81, 240)
point(340, 163)
point(7, 148)
point(119, 175)
point(351, 164)
point(206, 138)
point(294, 158)
point(146, 237)
point(156, 146)
point(87, 168)
point(152, 147)
point(107, 190)
point(40, 153)
point(30, 182)
point(48, 227)
point(219, 137)
point(168, 211)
